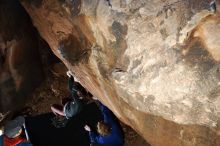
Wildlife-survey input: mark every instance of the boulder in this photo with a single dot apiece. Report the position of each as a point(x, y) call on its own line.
point(154, 63)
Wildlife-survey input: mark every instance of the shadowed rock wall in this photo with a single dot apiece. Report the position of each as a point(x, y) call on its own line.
point(20, 63)
point(154, 63)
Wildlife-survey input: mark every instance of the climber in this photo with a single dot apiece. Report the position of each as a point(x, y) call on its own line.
point(73, 105)
point(109, 131)
point(11, 133)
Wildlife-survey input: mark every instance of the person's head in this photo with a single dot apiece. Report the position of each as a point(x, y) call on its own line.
point(13, 128)
point(103, 128)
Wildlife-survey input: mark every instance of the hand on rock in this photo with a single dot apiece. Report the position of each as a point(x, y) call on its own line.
point(94, 98)
point(87, 128)
point(68, 73)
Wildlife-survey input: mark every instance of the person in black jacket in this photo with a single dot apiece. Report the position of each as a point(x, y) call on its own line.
point(73, 105)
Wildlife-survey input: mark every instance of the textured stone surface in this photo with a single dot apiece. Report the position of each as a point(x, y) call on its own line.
point(155, 63)
point(20, 64)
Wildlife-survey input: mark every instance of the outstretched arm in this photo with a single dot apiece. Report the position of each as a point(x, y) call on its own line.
point(94, 137)
point(73, 86)
point(70, 83)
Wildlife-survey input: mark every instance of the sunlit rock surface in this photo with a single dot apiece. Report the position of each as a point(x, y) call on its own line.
point(20, 64)
point(155, 63)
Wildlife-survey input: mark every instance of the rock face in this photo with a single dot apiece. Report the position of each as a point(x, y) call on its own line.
point(154, 63)
point(20, 64)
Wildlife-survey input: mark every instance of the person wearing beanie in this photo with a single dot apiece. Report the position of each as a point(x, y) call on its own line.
point(74, 104)
point(10, 134)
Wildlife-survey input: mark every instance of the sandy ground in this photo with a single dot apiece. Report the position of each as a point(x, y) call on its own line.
point(53, 89)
